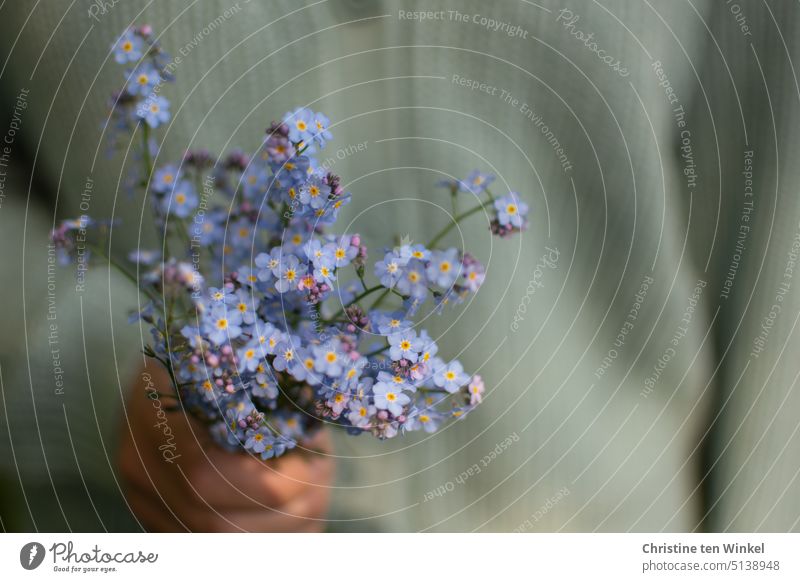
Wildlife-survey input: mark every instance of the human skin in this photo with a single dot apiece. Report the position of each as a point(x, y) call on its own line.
point(191, 484)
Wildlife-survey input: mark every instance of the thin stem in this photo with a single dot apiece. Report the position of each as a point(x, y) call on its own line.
point(376, 352)
point(450, 226)
point(380, 299)
point(148, 164)
point(459, 217)
point(357, 299)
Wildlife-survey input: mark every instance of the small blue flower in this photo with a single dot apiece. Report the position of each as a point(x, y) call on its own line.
point(154, 110)
point(414, 283)
point(450, 376)
point(328, 359)
point(128, 48)
point(343, 250)
point(289, 273)
point(427, 419)
point(246, 304)
point(321, 133)
point(257, 440)
point(223, 324)
point(511, 211)
point(255, 182)
point(419, 252)
point(221, 296)
point(181, 201)
point(405, 345)
point(444, 267)
point(301, 125)
point(390, 269)
point(268, 264)
point(165, 178)
point(250, 356)
point(279, 446)
point(476, 182)
point(314, 193)
point(360, 413)
point(388, 397)
point(286, 355)
point(318, 254)
point(143, 80)
point(389, 323)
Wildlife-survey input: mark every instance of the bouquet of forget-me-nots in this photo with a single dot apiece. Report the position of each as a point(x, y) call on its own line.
point(269, 325)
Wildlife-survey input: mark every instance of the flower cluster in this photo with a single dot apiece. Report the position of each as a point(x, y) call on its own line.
point(140, 99)
point(267, 322)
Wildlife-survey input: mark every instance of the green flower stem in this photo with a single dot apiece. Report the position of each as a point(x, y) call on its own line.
point(459, 217)
point(358, 298)
point(376, 352)
point(450, 226)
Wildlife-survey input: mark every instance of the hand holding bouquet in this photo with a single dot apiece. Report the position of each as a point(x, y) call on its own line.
point(268, 324)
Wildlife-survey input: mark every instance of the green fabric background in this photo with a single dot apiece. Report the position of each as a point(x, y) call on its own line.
point(714, 446)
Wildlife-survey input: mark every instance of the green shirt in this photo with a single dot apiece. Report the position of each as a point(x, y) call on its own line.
point(637, 342)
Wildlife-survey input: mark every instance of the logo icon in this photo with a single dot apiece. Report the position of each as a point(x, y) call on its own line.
point(31, 555)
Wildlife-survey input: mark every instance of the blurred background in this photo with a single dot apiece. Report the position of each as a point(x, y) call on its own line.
point(650, 380)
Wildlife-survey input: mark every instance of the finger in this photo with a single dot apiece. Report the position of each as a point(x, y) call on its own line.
point(304, 514)
point(233, 481)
